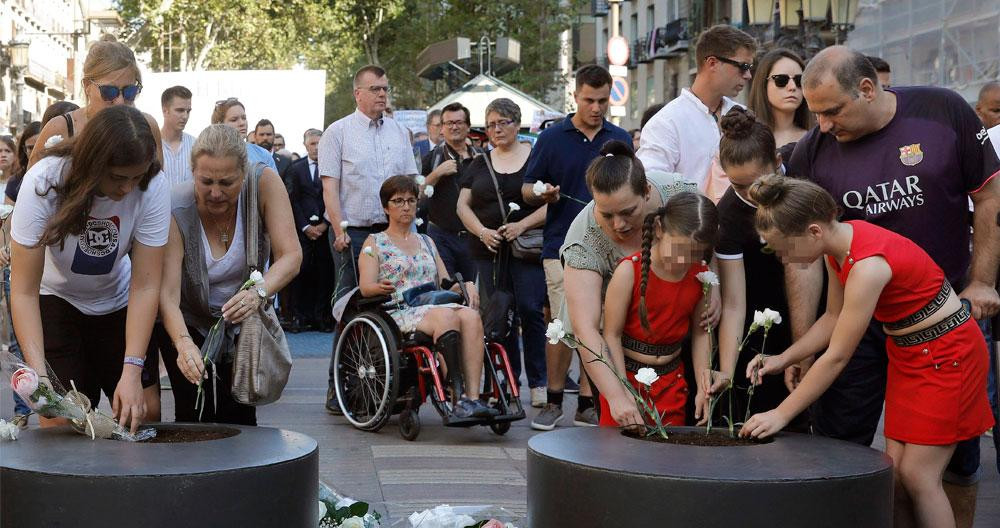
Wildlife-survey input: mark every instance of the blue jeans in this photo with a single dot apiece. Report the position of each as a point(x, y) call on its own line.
point(454, 251)
point(991, 386)
point(527, 282)
point(20, 407)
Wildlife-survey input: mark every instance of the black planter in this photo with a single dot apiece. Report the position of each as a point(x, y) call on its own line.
point(590, 476)
point(258, 477)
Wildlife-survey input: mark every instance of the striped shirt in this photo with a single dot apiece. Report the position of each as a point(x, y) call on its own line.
point(362, 153)
point(177, 164)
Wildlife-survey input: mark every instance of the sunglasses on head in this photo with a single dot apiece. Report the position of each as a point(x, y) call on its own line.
point(743, 66)
point(781, 80)
point(109, 92)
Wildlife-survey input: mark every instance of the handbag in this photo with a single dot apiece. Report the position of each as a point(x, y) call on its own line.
point(262, 360)
point(528, 245)
point(430, 292)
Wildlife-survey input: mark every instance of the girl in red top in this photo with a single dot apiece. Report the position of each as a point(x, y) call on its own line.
point(654, 299)
point(936, 387)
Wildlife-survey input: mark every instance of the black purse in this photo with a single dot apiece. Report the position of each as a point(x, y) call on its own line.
point(430, 292)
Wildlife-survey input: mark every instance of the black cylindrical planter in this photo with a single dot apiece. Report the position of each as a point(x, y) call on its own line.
point(258, 477)
point(590, 476)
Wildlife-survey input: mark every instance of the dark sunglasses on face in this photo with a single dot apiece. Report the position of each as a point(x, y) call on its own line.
point(109, 93)
point(743, 66)
point(781, 80)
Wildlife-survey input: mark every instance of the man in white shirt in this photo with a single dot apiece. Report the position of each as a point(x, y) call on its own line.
point(176, 105)
point(684, 136)
point(357, 153)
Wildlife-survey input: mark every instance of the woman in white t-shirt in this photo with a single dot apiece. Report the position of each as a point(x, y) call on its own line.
point(88, 233)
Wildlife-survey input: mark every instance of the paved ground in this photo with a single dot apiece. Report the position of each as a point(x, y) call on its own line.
point(453, 466)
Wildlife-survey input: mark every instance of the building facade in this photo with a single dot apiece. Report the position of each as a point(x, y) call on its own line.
point(58, 33)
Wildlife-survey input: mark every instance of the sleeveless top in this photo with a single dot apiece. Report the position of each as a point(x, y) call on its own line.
point(225, 274)
point(669, 304)
point(916, 278)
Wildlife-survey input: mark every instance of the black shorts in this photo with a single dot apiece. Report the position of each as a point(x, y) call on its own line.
point(87, 350)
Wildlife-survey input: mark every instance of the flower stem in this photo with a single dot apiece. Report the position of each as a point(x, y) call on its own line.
point(756, 377)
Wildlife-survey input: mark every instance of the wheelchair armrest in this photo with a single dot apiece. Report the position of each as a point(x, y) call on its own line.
point(369, 302)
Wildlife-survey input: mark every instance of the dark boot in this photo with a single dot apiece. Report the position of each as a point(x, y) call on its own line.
point(963, 502)
point(449, 345)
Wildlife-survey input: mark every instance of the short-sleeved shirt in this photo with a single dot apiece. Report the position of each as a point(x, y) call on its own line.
point(362, 153)
point(91, 271)
point(483, 201)
point(177, 163)
point(257, 154)
point(587, 247)
point(560, 157)
point(441, 209)
point(913, 177)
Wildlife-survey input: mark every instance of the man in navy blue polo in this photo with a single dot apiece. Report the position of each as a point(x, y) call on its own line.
point(559, 160)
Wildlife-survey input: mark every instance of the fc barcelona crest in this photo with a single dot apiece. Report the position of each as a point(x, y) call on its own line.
point(910, 155)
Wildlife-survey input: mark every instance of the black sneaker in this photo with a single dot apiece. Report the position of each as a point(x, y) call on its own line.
point(332, 406)
point(467, 408)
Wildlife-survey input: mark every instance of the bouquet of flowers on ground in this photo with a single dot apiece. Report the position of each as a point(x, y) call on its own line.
point(336, 510)
point(445, 516)
point(212, 348)
point(46, 397)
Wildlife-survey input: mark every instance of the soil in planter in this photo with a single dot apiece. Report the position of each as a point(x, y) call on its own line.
point(179, 435)
point(697, 439)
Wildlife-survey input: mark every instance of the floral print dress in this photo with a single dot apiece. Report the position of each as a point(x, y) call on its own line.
point(406, 271)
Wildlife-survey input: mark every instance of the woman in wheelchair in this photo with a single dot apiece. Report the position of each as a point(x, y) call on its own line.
point(398, 259)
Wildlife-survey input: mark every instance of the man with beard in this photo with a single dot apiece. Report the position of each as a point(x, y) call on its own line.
point(264, 135)
point(684, 136)
point(176, 105)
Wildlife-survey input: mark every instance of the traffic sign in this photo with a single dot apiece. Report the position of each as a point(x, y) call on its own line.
point(617, 71)
point(619, 91)
point(618, 111)
point(618, 51)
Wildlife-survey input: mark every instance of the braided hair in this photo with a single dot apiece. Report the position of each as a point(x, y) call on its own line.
point(687, 214)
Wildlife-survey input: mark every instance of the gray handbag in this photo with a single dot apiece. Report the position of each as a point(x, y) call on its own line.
point(262, 360)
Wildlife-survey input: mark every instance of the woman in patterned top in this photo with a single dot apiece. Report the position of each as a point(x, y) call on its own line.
point(398, 259)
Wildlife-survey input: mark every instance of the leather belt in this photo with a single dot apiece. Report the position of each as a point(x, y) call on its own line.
point(928, 310)
point(648, 349)
point(633, 366)
point(460, 232)
point(948, 324)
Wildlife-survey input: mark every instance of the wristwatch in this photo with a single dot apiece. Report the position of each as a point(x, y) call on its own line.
point(261, 292)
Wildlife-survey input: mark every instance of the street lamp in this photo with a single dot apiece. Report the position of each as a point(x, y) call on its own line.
point(18, 62)
point(844, 12)
point(761, 12)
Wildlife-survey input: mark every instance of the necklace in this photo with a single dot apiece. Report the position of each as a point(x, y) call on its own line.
point(223, 233)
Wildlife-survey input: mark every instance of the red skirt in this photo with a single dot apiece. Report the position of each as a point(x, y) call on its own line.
point(669, 394)
point(936, 391)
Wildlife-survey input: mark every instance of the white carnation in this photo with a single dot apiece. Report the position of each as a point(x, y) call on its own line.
point(429, 191)
point(8, 431)
point(771, 317)
point(5, 211)
point(646, 376)
point(555, 332)
point(419, 222)
point(538, 188)
point(708, 278)
point(343, 225)
point(256, 277)
point(513, 207)
point(53, 141)
point(420, 179)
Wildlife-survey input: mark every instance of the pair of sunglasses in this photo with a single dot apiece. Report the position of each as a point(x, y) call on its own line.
point(109, 92)
point(743, 66)
point(781, 80)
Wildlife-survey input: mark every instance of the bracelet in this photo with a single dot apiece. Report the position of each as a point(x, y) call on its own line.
point(137, 361)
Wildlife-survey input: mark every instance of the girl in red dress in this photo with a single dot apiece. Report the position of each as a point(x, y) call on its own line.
point(936, 386)
point(654, 299)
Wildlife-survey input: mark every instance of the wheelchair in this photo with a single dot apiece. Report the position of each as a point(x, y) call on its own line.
point(379, 372)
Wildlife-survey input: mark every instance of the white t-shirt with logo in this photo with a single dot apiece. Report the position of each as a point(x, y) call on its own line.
point(92, 271)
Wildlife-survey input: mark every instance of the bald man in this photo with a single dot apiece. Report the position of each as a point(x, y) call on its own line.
point(988, 105)
point(907, 159)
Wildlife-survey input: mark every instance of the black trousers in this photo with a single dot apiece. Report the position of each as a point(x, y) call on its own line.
point(314, 284)
point(224, 410)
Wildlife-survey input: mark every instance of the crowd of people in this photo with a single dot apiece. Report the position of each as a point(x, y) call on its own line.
point(131, 239)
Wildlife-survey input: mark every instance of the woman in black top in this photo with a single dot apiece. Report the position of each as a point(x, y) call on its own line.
point(752, 276)
point(497, 224)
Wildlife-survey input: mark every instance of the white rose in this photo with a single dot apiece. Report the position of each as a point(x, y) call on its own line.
point(538, 188)
point(646, 376)
point(420, 179)
point(343, 225)
point(772, 317)
point(256, 277)
point(53, 141)
point(353, 522)
point(513, 207)
point(429, 191)
point(555, 332)
point(708, 277)
point(419, 222)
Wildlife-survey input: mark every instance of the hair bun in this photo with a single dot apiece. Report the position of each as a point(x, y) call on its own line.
point(768, 189)
point(617, 148)
point(108, 37)
point(738, 123)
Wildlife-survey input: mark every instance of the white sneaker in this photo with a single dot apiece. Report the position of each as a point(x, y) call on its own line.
point(539, 397)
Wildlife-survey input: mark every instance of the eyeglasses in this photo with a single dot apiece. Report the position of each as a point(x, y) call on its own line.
point(374, 90)
point(781, 80)
point(400, 202)
point(743, 66)
point(454, 124)
point(227, 101)
point(109, 93)
point(499, 123)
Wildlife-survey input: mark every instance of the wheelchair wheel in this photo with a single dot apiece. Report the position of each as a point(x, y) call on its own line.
point(366, 364)
point(409, 424)
point(500, 428)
